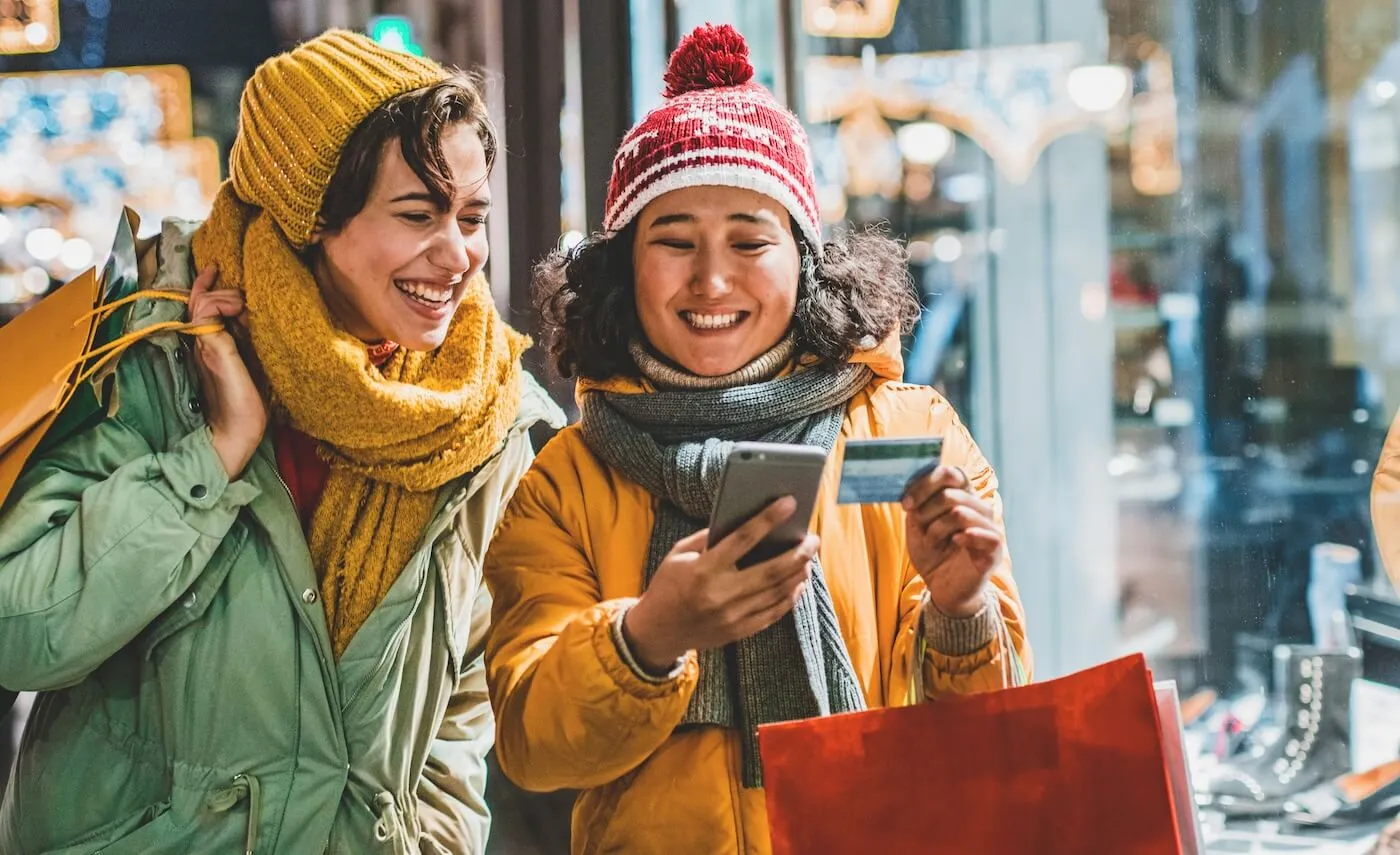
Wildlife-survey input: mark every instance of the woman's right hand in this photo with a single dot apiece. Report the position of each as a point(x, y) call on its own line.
point(233, 406)
point(699, 599)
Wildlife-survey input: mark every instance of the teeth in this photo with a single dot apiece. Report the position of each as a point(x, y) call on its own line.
point(424, 292)
point(711, 322)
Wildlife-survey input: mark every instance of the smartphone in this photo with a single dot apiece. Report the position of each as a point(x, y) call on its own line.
point(756, 475)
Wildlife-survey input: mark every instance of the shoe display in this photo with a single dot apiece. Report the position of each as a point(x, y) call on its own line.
point(1354, 798)
point(1313, 744)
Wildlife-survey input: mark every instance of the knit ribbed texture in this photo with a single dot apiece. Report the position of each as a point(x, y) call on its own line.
point(297, 112)
point(675, 445)
point(716, 128)
point(953, 636)
point(669, 378)
point(630, 660)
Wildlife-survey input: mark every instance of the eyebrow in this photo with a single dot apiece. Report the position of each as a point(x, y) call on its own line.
point(670, 219)
point(478, 202)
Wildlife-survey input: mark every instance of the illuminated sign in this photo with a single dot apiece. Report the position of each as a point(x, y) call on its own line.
point(28, 26)
point(849, 19)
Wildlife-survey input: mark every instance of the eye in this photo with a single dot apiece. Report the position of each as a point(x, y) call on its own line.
point(674, 243)
point(474, 221)
point(418, 218)
point(750, 245)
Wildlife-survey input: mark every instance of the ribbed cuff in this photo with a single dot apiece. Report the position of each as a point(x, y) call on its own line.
point(953, 636)
point(625, 652)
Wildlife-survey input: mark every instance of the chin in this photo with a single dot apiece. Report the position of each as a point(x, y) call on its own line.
point(421, 339)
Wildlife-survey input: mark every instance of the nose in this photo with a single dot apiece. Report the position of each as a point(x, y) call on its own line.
point(712, 273)
point(454, 252)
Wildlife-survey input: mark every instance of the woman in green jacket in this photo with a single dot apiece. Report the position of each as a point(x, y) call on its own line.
point(250, 597)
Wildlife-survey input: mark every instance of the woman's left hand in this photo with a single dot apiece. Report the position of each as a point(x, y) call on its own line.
point(954, 540)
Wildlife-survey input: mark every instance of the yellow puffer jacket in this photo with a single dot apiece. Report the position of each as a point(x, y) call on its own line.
point(570, 712)
point(1385, 502)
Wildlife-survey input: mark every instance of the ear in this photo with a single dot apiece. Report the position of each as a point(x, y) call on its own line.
point(317, 232)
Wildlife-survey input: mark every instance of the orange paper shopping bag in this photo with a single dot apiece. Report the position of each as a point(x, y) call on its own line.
point(1073, 766)
point(39, 347)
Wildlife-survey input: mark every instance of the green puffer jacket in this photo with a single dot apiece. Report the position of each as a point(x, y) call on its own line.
point(171, 622)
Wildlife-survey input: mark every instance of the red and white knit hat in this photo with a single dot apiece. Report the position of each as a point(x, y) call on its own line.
point(716, 127)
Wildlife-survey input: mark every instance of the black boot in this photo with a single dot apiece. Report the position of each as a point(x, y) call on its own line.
point(1314, 746)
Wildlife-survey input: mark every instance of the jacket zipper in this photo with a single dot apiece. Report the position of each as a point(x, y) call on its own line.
point(287, 491)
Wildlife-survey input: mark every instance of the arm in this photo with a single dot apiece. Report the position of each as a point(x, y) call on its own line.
point(984, 651)
point(570, 712)
point(97, 539)
point(452, 790)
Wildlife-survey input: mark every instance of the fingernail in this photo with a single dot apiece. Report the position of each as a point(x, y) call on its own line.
point(907, 503)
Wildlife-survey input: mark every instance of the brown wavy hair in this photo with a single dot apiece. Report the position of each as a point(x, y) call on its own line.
point(417, 120)
point(853, 297)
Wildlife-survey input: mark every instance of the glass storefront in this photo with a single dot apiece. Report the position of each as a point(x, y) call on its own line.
point(1155, 244)
point(1158, 248)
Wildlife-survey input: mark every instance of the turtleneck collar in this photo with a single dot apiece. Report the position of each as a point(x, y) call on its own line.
point(663, 375)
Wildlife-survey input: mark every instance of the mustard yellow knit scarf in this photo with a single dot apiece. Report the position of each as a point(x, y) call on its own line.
point(392, 436)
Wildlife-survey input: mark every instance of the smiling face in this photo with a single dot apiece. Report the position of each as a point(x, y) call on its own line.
point(716, 276)
point(398, 269)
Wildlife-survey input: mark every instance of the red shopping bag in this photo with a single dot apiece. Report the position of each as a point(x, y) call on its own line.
point(1073, 766)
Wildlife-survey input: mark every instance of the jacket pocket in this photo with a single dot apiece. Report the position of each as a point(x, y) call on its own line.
point(194, 604)
point(139, 832)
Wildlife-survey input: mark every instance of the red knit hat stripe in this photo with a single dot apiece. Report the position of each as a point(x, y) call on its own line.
point(724, 167)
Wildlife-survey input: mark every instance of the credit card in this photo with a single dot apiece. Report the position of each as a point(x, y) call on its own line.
point(875, 471)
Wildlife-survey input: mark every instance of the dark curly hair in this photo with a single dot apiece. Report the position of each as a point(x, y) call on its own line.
point(856, 294)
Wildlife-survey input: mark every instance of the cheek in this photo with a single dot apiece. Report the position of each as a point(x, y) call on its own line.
point(371, 256)
point(777, 286)
point(655, 286)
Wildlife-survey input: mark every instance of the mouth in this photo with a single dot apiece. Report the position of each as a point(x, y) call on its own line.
point(433, 295)
point(711, 321)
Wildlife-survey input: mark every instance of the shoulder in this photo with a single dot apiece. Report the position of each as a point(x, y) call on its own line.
point(565, 464)
point(536, 405)
point(895, 408)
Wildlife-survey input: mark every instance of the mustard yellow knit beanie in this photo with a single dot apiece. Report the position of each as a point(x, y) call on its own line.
point(297, 112)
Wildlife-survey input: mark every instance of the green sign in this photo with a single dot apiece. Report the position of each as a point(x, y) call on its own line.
point(395, 32)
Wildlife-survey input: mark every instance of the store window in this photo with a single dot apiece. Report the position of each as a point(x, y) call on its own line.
point(1156, 244)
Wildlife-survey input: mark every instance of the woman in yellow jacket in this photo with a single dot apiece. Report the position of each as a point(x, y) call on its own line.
point(626, 659)
point(1385, 522)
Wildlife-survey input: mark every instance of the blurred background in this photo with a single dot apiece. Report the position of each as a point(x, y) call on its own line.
point(1158, 244)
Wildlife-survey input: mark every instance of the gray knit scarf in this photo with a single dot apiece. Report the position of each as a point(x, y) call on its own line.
point(675, 443)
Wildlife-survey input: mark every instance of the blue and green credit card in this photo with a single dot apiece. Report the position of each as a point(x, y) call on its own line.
point(875, 471)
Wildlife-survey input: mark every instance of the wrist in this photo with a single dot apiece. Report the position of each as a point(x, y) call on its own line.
point(641, 637)
point(233, 457)
point(959, 608)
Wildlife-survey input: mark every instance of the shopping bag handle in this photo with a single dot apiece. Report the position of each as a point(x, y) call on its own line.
point(112, 350)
